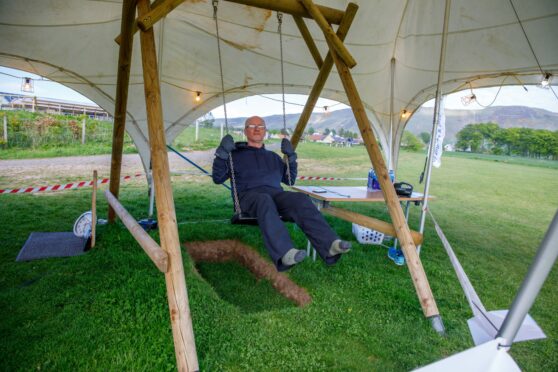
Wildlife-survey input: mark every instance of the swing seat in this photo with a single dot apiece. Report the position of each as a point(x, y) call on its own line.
point(245, 219)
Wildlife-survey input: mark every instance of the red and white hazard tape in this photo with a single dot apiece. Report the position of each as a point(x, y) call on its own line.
point(68, 186)
point(317, 178)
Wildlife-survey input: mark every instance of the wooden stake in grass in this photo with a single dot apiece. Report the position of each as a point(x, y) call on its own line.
point(94, 209)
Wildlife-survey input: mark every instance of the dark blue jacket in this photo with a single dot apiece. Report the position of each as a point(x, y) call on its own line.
point(253, 168)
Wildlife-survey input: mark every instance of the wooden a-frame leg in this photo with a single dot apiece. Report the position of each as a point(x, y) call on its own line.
point(181, 321)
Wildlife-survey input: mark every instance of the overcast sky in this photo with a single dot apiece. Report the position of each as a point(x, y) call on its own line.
point(271, 104)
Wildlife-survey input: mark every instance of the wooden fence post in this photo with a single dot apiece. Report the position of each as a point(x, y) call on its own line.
point(83, 131)
point(6, 128)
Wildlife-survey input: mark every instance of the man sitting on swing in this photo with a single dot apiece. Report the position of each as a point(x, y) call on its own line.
point(258, 174)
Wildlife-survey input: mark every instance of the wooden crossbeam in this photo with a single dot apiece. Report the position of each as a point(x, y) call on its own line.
point(319, 84)
point(403, 233)
point(177, 294)
point(293, 7)
point(122, 81)
point(157, 12)
point(150, 246)
point(135, 27)
point(309, 41)
point(371, 223)
point(161, 8)
point(329, 34)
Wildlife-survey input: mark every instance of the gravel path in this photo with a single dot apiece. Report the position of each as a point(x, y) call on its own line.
point(41, 172)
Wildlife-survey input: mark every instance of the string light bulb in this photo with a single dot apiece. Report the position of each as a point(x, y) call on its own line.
point(545, 82)
point(27, 85)
point(405, 114)
point(198, 96)
point(468, 99)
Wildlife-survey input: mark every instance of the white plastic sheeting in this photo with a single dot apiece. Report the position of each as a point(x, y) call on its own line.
point(72, 42)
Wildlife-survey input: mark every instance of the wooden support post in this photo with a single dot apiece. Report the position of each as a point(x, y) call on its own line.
point(181, 321)
point(329, 34)
point(135, 27)
point(414, 265)
point(319, 84)
point(94, 210)
point(146, 242)
point(122, 80)
point(371, 223)
point(309, 41)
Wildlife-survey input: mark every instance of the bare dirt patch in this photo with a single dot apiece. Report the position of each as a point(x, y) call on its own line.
point(233, 250)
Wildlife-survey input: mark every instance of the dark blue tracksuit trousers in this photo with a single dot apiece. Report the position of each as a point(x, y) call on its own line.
point(267, 204)
point(258, 176)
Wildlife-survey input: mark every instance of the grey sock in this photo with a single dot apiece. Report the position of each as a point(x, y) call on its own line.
point(293, 256)
point(339, 246)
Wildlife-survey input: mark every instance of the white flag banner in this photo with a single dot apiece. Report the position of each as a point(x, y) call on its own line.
point(439, 136)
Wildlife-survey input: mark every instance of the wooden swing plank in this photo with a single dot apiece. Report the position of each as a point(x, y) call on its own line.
point(177, 294)
point(329, 34)
point(146, 242)
point(122, 81)
point(403, 233)
point(309, 41)
point(319, 84)
point(371, 223)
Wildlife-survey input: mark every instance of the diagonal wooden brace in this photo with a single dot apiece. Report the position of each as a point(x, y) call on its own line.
point(371, 223)
point(325, 69)
point(329, 34)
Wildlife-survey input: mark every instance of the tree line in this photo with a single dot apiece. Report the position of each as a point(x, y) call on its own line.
point(489, 138)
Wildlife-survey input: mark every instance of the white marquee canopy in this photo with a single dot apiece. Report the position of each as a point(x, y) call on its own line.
point(72, 42)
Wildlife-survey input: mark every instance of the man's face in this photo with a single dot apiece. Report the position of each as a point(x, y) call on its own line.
point(255, 130)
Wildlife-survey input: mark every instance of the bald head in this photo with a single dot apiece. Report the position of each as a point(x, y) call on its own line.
point(254, 120)
point(254, 129)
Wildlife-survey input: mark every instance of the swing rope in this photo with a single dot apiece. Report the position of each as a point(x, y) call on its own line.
point(215, 3)
point(215, 9)
point(233, 180)
point(280, 32)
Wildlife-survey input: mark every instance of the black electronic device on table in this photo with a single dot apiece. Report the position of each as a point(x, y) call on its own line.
point(403, 189)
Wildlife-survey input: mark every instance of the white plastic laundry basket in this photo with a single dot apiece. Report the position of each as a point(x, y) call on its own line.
point(365, 235)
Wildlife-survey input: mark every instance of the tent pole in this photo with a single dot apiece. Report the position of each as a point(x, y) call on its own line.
point(181, 322)
point(534, 280)
point(436, 120)
point(122, 81)
point(414, 265)
point(391, 114)
point(325, 69)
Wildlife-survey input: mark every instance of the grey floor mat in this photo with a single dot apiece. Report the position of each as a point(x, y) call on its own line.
point(51, 244)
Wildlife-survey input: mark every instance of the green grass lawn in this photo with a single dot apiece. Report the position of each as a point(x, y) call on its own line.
point(107, 309)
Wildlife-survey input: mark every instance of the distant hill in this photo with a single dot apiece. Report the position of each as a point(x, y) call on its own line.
point(504, 116)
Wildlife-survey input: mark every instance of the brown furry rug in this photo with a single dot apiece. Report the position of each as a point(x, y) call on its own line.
point(227, 250)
